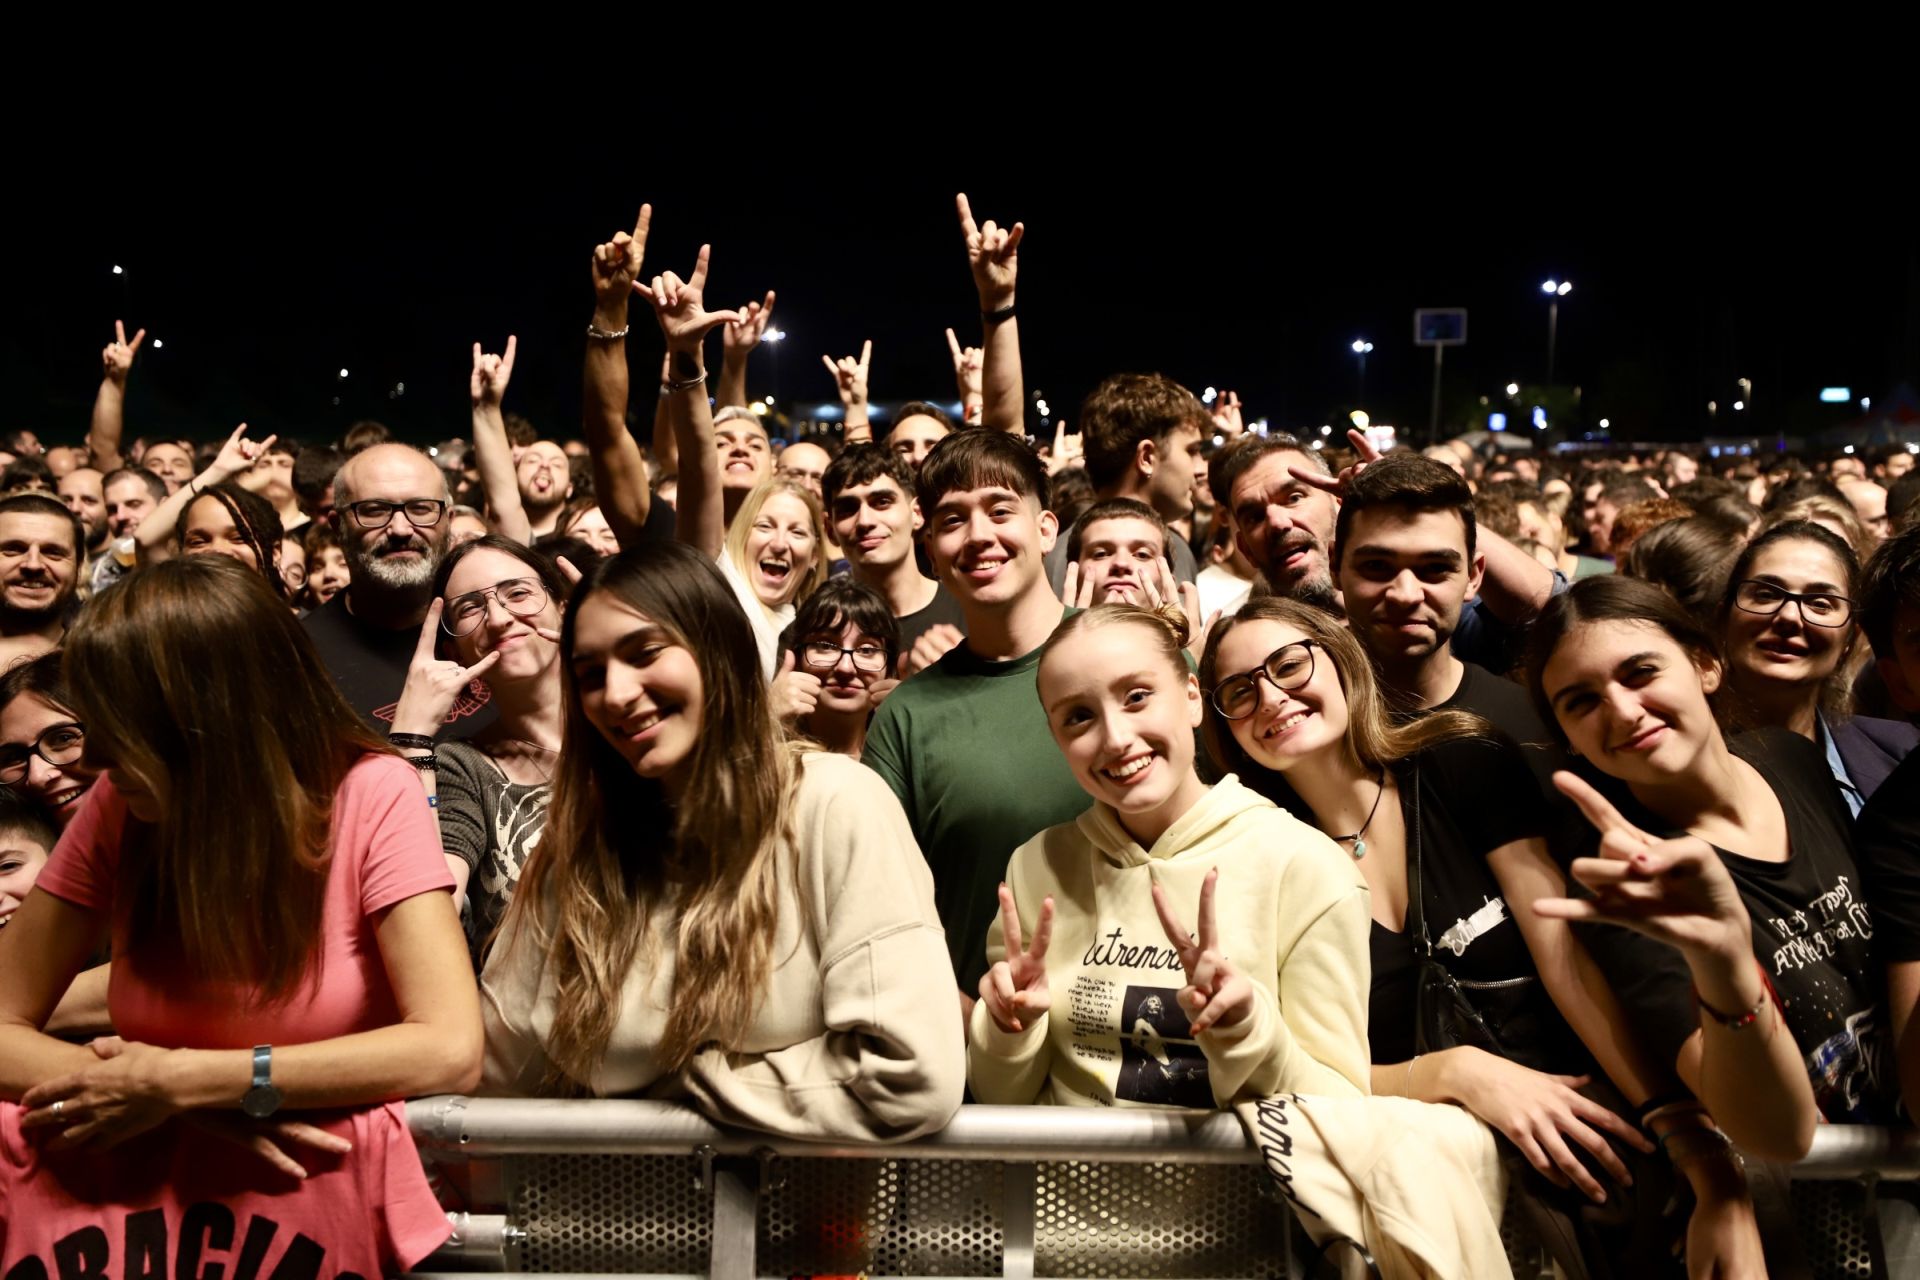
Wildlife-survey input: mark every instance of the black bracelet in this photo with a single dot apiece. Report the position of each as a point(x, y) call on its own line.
point(1659, 1100)
point(417, 741)
point(424, 764)
point(991, 318)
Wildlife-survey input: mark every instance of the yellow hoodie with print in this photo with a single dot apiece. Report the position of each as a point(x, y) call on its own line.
point(1293, 914)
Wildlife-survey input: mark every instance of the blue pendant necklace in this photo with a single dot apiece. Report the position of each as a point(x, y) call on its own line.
point(1359, 837)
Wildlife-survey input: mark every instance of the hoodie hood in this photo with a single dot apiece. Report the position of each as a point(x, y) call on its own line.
point(1197, 833)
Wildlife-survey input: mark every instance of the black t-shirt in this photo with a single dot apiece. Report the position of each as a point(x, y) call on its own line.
point(1887, 842)
point(1474, 796)
point(942, 609)
point(369, 666)
point(1511, 711)
point(1812, 933)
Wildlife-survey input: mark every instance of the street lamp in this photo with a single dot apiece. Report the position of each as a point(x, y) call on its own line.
point(1555, 290)
point(1513, 389)
point(1360, 349)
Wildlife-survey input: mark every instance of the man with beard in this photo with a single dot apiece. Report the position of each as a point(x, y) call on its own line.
point(390, 507)
point(85, 496)
point(544, 475)
point(40, 543)
point(1284, 505)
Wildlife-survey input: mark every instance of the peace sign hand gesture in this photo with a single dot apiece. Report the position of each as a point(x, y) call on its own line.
point(491, 374)
point(616, 264)
point(433, 683)
point(1337, 485)
point(116, 358)
point(994, 254)
point(1227, 419)
point(679, 306)
point(1217, 994)
point(1676, 891)
point(1015, 989)
point(850, 375)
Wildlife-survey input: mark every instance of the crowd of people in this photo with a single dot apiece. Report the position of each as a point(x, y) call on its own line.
point(824, 785)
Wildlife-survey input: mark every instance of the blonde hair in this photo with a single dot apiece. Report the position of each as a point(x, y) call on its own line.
point(742, 527)
point(1374, 738)
point(615, 848)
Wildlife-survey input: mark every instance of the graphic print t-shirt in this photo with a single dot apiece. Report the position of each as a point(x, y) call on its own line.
point(1812, 933)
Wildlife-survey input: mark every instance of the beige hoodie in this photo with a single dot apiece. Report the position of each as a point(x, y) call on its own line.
point(1293, 913)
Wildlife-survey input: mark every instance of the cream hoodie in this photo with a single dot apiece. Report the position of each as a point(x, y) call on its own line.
point(855, 1036)
point(1293, 913)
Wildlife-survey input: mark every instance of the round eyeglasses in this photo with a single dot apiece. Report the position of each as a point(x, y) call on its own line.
point(824, 655)
point(58, 745)
point(1286, 669)
point(521, 597)
point(1817, 608)
point(422, 513)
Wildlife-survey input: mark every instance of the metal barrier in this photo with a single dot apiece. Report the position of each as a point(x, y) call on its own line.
point(654, 1189)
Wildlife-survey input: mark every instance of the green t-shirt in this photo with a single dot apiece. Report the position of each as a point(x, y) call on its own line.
point(965, 745)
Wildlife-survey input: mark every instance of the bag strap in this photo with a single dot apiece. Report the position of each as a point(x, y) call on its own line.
point(1416, 903)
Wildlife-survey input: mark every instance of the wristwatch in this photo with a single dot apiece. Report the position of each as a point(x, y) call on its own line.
point(263, 1099)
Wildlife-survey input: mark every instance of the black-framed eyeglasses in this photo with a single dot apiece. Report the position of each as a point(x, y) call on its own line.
point(1817, 608)
point(521, 597)
point(824, 655)
point(422, 513)
point(1286, 669)
point(58, 745)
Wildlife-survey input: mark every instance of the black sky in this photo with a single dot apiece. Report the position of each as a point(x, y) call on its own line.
point(1231, 249)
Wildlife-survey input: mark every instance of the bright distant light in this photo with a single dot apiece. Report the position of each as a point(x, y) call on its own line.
point(759, 409)
point(1209, 395)
point(1539, 418)
point(1358, 417)
point(1835, 395)
point(1866, 402)
point(343, 373)
point(1913, 448)
point(1738, 405)
point(1548, 286)
point(1318, 445)
point(1713, 406)
point(1043, 410)
point(776, 335)
point(1566, 287)
point(1513, 388)
point(157, 344)
point(1848, 449)
point(1605, 423)
point(1361, 346)
point(119, 270)
point(769, 400)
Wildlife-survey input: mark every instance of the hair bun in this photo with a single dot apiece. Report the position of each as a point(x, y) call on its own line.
point(1175, 619)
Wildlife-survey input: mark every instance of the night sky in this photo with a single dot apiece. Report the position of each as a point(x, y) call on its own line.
point(268, 253)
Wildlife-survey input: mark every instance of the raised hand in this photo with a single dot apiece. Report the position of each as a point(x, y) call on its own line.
point(491, 373)
point(795, 693)
point(616, 264)
point(741, 336)
point(1217, 994)
point(116, 358)
point(1067, 449)
point(236, 455)
point(679, 306)
point(877, 692)
point(993, 252)
point(934, 644)
point(1674, 890)
point(967, 366)
point(1074, 593)
point(433, 682)
point(850, 375)
point(1226, 416)
point(1338, 484)
point(1015, 989)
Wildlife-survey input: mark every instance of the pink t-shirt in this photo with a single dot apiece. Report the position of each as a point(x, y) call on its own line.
point(386, 848)
point(177, 1201)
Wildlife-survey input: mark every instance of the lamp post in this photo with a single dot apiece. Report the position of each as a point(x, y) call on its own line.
point(1555, 290)
point(1360, 349)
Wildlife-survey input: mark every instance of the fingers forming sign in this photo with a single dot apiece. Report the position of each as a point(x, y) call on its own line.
point(850, 375)
point(116, 358)
point(1015, 989)
point(239, 454)
point(434, 683)
point(616, 264)
point(491, 374)
point(994, 254)
point(1217, 994)
point(680, 308)
point(743, 335)
point(1338, 484)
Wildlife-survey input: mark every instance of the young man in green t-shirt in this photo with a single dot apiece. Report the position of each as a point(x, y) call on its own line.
point(965, 743)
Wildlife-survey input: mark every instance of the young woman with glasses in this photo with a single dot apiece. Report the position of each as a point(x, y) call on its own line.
point(495, 615)
point(1442, 802)
point(1787, 628)
point(836, 658)
point(42, 740)
point(715, 912)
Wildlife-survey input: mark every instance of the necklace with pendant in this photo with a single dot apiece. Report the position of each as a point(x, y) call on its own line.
point(1359, 837)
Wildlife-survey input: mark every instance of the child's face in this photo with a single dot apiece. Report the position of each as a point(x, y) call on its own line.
point(21, 858)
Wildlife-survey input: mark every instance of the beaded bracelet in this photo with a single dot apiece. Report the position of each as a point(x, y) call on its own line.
point(1739, 1022)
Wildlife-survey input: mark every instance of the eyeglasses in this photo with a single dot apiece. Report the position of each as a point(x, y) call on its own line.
point(1817, 609)
point(422, 513)
point(58, 745)
point(1286, 669)
point(824, 655)
point(521, 597)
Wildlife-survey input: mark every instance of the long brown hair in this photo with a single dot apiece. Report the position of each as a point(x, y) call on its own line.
point(1374, 738)
point(194, 680)
point(614, 848)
